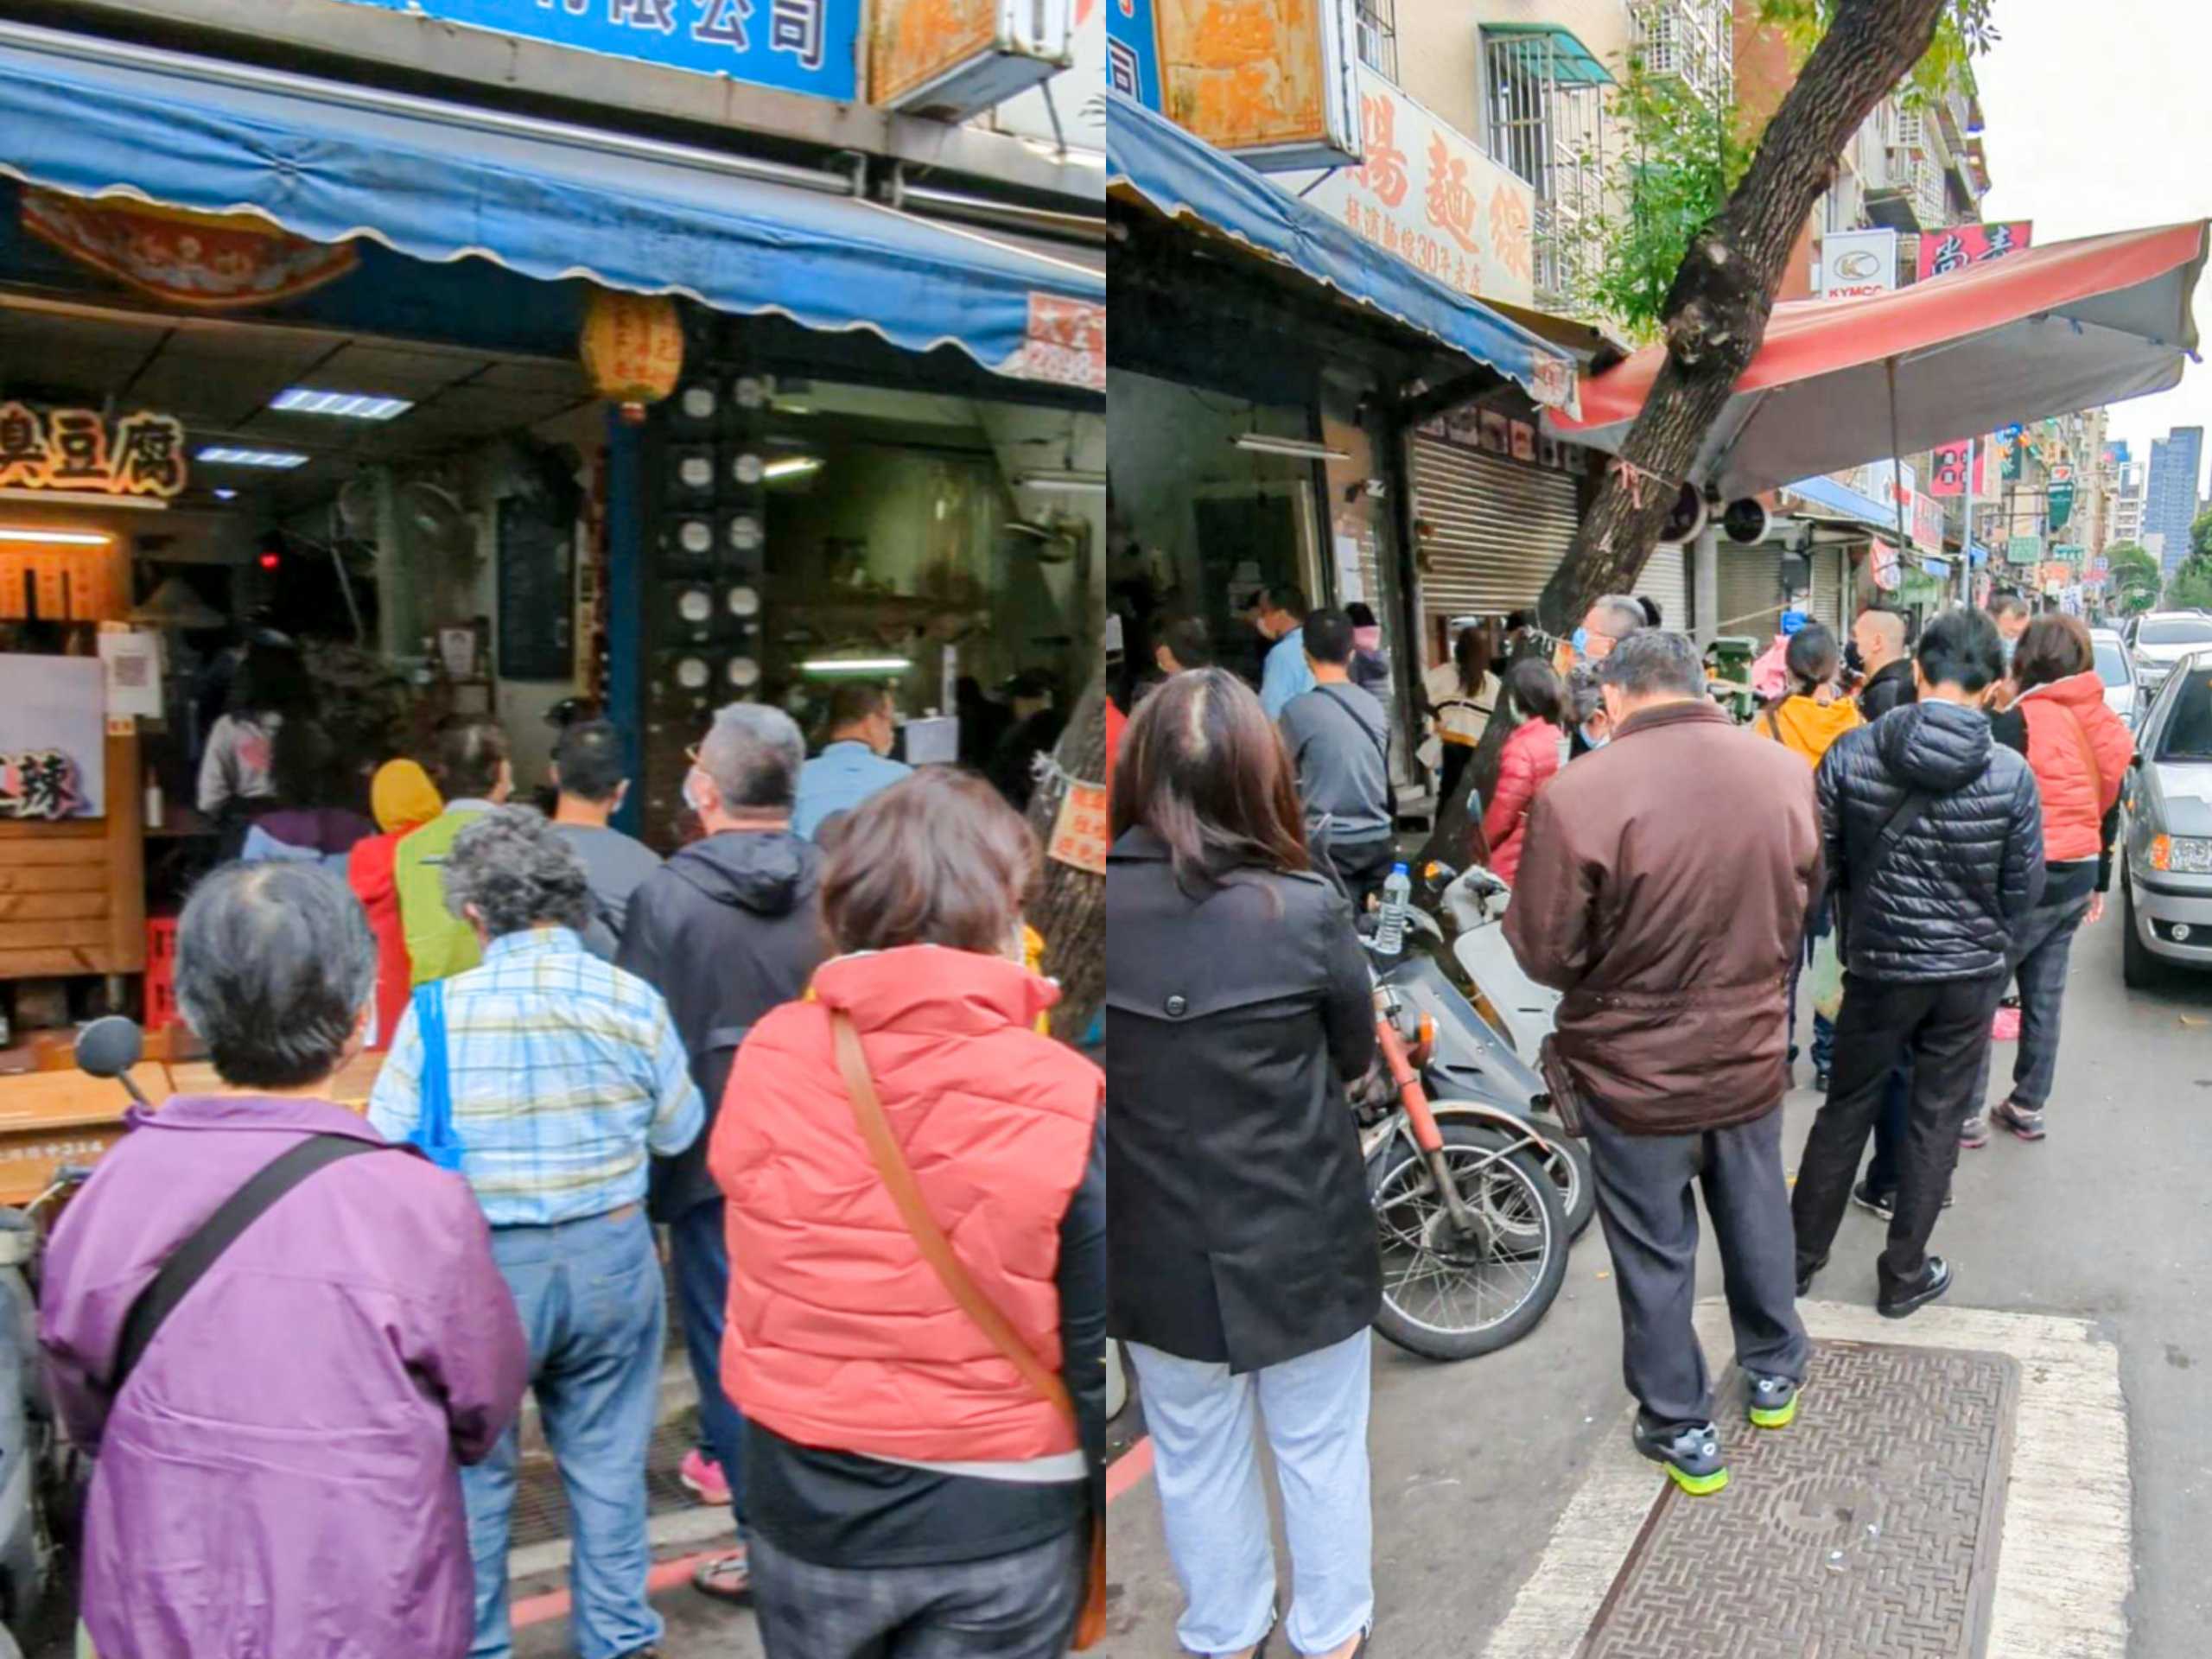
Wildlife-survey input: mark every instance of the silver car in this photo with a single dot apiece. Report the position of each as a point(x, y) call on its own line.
point(2166, 871)
point(2124, 692)
point(2162, 638)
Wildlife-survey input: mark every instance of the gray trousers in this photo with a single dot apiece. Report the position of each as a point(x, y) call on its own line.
point(2038, 956)
point(1018, 1606)
point(1647, 1203)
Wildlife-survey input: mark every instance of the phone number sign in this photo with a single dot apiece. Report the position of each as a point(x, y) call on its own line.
point(795, 46)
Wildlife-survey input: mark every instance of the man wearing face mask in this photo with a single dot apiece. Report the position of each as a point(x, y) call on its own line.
point(1612, 620)
point(1669, 917)
point(2010, 614)
point(728, 929)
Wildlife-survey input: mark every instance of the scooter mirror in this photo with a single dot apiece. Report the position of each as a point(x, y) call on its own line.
point(109, 1047)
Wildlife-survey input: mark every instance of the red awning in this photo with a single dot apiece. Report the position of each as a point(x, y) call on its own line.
point(2047, 331)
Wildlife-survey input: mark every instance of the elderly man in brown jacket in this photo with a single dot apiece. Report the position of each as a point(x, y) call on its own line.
point(1664, 888)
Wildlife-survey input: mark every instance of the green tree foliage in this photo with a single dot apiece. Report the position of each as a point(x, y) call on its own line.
point(1967, 31)
point(2191, 587)
point(2135, 578)
point(2200, 536)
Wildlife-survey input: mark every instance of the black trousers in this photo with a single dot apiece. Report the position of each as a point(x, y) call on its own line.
point(1941, 1030)
point(1361, 866)
point(1647, 1201)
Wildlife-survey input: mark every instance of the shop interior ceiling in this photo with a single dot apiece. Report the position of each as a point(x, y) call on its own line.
point(219, 375)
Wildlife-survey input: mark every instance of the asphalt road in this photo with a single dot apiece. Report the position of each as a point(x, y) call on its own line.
point(2110, 1219)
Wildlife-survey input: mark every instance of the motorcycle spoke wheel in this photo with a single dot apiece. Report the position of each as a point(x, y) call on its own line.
point(1439, 1282)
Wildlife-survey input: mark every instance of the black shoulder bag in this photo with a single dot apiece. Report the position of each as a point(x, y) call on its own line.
point(1909, 811)
point(189, 1261)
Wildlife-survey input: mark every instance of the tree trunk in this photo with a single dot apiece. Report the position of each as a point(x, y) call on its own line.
point(1718, 308)
point(1069, 905)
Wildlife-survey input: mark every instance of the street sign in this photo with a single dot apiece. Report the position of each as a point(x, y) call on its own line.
point(798, 46)
point(2070, 552)
point(2023, 550)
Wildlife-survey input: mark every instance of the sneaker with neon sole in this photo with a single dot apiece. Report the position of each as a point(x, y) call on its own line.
point(1690, 1454)
point(1771, 1402)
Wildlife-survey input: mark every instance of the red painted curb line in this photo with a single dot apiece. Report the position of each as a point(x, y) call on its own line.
point(1129, 1469)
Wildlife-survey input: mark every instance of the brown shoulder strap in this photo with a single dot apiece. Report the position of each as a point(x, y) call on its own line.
point(1774, 724)
point(936, 1249)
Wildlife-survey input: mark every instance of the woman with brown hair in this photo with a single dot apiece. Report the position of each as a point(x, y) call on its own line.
point(916, 1220)
point(1245, 1270)
point(2078, 751)
point(1462, 695)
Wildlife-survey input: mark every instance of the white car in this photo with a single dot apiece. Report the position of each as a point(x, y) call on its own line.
point(2161, 639)
point(2124, 692)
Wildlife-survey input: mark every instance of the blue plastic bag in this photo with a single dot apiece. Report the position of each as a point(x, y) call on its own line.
point(433, 1135)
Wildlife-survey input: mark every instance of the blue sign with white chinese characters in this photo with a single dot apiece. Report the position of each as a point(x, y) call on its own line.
point(1133, 51)
point(795, 46)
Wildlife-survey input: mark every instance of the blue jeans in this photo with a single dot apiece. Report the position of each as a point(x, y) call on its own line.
point(593, 1307)
point(1206, 1425)
point(698, 1250)
point(1823, 1027)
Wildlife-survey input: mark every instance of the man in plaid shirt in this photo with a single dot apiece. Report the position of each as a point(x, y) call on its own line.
point(566, 1078)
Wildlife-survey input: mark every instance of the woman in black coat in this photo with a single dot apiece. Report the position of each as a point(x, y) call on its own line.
point(1244, 1267)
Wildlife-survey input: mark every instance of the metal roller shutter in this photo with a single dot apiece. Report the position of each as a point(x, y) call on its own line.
point(1666, 583)
point(1827, 590)
point(1750, 588)
point(1498, 529)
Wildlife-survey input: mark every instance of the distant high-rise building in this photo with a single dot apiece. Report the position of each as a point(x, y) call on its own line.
point(2127, 494)
point(2169, 499)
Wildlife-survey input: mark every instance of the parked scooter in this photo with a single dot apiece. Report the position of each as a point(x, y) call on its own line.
point(1472, 1227)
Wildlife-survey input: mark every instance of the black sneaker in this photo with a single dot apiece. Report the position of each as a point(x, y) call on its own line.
point(1883, 1204)
point(2023, 1122)
point(1934, 1280)
point(1690, 1452)
point(1805, 1275)
point(1821, 1078)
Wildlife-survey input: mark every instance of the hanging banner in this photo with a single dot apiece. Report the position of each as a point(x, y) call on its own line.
point(1428, 194)
point(1925, 515)
point(1882, 561)
point(1855, 262)
point(1946, 472)
point(207, 262)
point(1943, 251)
point(1066, 343)
point(794, 45)
point(2060, 498)
point(1267, 81)
point(1133, 51)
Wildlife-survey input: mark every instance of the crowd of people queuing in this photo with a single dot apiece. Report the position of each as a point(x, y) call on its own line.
point(807, 1046)
point(1928, 820)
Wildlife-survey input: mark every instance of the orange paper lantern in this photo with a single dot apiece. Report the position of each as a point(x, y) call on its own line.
point(632, 348)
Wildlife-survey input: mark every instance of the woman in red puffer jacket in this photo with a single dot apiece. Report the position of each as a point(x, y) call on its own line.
point(2078, 751)
point(899, 1472)
point(1528, 760)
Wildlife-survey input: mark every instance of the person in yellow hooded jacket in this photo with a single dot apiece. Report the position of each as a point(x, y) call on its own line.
point(1810, 716)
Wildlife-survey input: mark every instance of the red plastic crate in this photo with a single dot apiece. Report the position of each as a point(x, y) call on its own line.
point(160, 972)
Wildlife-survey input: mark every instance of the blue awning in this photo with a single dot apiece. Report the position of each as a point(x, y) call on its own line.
point(1181, 175)
point(443, 182)
point(1845, 502)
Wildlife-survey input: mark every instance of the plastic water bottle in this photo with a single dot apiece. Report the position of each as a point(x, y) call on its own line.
point(1397, 894)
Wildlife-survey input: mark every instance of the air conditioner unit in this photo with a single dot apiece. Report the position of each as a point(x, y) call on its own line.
point(1912, 130)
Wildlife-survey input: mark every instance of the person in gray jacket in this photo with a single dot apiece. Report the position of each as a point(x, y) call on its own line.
point(1339, 740)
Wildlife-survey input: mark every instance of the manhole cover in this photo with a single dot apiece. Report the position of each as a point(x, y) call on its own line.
point(1868, 1529)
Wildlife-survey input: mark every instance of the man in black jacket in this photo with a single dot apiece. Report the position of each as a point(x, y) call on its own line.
point(726, 929)
point(1935, 854)
point(1880, 636)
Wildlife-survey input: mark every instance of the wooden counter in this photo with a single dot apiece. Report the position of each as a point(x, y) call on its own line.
point(52, 1118)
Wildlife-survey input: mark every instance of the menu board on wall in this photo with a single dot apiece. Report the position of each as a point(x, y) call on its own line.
point(53, 737)
point(537, 593)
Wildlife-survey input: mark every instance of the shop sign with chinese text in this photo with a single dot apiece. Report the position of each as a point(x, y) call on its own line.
point(79, 450)
point(2070, 553)
point(1944, 251)
point(1267, 81)
point(794, 45)
point(2023, 550)
point(1133, 51)
point(1946, 470)
point(1066, 343)
point(1428, 194)
point(1883, 563)
point(1926, 516)
point(1855, 262)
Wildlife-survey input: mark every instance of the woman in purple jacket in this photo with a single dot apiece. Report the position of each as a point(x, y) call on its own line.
point(280, 1473)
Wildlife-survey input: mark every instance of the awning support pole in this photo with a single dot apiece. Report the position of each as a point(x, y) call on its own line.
point(1897, 462)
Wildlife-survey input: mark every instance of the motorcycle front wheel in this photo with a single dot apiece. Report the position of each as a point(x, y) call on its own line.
point(1449, 1296)
point(1570, 1168)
